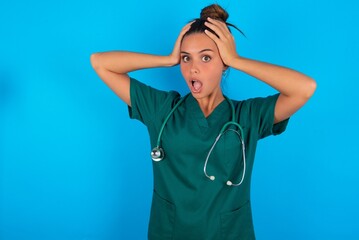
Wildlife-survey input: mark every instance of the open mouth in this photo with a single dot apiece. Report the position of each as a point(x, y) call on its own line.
point(196, 86)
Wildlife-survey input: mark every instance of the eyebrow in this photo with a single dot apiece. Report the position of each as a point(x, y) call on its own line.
point(204, 50)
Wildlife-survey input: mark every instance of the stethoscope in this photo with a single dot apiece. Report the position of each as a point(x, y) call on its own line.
point(158, 154)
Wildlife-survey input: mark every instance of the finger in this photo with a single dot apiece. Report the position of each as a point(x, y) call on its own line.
point(222, 25)
point(184, 30)
point(186, 27)
point(217, 32)
point(212, 36)
point(217, 22)
point(215, 29)
point(219, 27)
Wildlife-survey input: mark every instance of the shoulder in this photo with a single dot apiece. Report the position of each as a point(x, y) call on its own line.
point(258, 113)
point(148, 103)
point(142, 90)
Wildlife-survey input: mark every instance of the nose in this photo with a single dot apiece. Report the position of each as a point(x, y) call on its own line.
point(194, 67)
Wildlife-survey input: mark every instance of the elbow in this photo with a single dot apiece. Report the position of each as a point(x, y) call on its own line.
point(94, 59)
point(305, 90)
point(311, 87)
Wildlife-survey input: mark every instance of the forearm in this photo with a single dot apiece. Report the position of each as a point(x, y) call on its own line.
point(122, 62)
point(287, 81)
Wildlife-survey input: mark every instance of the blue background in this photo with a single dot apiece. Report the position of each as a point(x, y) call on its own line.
point(74, 166)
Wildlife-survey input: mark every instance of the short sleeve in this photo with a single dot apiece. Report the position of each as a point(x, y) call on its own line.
point(262, 116)
point(147, 103)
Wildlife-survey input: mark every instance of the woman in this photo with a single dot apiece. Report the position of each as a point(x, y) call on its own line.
point(201, 181)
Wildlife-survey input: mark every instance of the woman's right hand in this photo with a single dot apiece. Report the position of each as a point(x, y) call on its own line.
point(175, 56)
point(113, 67)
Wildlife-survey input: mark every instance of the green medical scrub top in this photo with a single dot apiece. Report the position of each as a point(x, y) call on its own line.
point(186, 204)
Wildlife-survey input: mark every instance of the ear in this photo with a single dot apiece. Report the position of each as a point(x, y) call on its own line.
point(225, 71)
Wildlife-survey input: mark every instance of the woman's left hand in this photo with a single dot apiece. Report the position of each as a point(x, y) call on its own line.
point(225, 40)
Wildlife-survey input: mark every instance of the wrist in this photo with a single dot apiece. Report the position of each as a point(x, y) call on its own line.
point(237, 63)
point(171, 60)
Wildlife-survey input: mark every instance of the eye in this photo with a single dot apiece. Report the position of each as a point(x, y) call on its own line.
point(185, 58)
point(206, 58)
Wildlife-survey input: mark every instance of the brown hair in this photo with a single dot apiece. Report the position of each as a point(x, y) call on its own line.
point(213, 11)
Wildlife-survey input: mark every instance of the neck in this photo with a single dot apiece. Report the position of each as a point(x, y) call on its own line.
point(209, 103)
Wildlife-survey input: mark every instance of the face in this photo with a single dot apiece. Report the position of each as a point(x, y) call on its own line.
point(201, 65)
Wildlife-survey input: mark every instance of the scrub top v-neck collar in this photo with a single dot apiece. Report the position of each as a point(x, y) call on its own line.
point(196, 112)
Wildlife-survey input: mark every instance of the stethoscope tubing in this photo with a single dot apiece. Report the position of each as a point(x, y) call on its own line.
point(212, 177)
point(157, 153)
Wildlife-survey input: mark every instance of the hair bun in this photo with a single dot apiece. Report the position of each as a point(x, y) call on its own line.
point(214, 11)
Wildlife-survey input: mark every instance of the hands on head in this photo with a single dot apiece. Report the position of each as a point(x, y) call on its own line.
point(221, 36)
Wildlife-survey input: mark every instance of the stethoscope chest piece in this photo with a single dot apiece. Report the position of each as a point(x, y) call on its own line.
point(157, 154)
